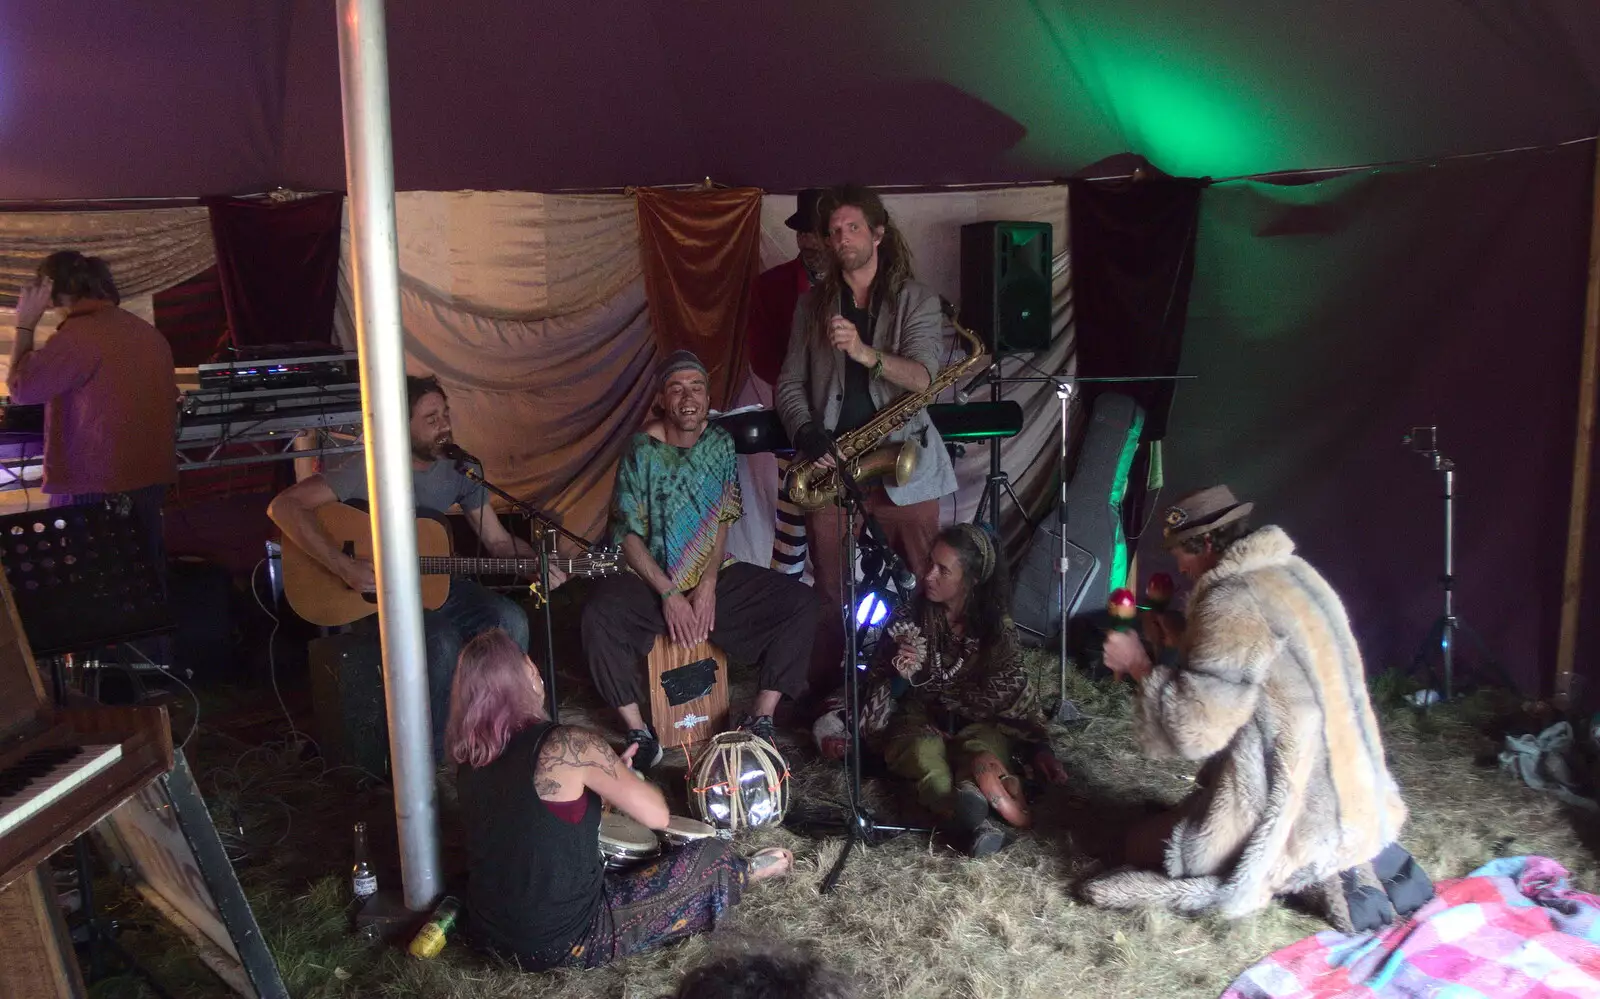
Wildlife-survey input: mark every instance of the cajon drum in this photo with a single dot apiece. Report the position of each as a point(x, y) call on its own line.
point(688, 692)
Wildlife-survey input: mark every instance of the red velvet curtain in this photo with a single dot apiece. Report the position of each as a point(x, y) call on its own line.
point(700, 252)
point(193, 319)
point(279, 266)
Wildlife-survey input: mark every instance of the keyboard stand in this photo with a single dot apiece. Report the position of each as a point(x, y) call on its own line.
point(96, 935)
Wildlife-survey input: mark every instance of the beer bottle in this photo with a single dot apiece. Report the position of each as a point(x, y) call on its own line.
point(362, 881)
point(429, 940)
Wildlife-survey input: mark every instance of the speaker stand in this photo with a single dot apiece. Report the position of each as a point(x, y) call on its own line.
point(988, 512)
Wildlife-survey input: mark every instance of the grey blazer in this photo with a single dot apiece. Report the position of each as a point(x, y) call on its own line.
point(811, 384)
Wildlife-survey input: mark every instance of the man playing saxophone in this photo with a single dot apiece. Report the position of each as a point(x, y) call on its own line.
point(864, 336)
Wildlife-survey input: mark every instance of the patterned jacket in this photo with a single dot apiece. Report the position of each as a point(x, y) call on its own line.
point(919, 660)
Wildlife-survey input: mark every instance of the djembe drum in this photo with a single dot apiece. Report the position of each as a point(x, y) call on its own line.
point(740, 782)
point(624, 842)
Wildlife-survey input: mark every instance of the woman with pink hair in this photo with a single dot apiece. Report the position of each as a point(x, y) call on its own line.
point(531, 792)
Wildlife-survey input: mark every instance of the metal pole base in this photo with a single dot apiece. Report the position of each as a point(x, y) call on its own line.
point(383, 916)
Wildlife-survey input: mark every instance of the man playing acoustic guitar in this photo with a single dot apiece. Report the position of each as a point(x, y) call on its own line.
point(438, 485)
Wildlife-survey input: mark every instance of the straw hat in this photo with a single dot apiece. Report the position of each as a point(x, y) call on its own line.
point(1200, 513)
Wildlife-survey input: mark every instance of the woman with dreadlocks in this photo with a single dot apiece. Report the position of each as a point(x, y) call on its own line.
point(948, 702)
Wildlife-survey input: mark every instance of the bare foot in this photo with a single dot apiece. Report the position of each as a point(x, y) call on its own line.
point(773, 862)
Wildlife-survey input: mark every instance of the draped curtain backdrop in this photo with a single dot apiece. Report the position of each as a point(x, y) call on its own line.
point(700, 251)
point(148, 251)
point(530, 308)
point(1134, 243)
point(278, 263)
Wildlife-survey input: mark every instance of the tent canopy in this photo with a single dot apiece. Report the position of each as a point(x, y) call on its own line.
point(169, 99)
point(1325, 319)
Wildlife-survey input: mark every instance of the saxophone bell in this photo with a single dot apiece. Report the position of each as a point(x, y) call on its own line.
point(896, 462)
point(866, 451)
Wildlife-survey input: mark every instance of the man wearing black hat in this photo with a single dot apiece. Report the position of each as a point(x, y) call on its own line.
point(677, 490)
point(778, 289)
point(772, 304)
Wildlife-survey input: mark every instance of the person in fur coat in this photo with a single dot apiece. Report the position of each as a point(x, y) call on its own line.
point(1264, 683)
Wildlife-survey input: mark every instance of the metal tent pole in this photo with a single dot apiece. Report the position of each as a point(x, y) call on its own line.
point(369, 176)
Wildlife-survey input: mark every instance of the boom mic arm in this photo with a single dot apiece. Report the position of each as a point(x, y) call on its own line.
point(454, 452)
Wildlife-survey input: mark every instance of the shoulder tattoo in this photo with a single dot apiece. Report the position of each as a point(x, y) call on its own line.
point(577, 747)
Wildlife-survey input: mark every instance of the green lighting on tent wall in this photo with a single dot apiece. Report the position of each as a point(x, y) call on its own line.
point(1196, 95)
point(1188, 123)
point(1119, 490)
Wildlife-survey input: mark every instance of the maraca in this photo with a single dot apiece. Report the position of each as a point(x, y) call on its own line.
point(1158, 591)
point(1124, 610)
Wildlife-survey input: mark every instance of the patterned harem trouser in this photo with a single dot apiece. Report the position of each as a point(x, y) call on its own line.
point(683, 893)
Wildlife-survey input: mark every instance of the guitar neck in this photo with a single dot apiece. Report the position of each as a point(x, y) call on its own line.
point(455, 566)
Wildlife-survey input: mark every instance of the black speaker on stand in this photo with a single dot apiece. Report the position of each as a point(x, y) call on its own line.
point(1006, 271)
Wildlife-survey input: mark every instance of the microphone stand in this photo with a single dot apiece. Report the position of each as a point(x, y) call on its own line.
point(859, 823)
point(552, 527)
point(1064, 386)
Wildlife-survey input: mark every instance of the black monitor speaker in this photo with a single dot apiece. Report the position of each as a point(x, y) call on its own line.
point(1006, 270)
point(1097, 550)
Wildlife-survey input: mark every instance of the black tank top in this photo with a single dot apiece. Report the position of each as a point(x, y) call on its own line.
point(535, 882)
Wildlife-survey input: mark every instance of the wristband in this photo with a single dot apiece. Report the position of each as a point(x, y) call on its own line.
point(674, 592)
point(24, 329)
point(877, 365)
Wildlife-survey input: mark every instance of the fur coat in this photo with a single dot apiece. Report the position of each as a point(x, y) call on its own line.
point(1269, 690)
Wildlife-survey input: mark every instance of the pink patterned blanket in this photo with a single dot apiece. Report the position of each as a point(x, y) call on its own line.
point(1511, 928)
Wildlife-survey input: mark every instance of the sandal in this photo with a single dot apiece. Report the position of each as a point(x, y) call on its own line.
point(773, 862)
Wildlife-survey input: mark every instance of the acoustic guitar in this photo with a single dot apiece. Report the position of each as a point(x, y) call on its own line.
point(322, 598)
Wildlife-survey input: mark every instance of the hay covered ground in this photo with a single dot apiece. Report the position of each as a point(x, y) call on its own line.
point(910, 919)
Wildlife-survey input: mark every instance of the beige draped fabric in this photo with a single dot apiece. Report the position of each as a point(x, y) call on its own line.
point(148, 250)
point(512, 254)
point(548, 405)
point(531, 310)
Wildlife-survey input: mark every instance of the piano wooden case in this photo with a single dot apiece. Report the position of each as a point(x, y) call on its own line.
point(60, 804)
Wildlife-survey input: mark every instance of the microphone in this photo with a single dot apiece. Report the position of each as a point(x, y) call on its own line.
point(904, 578)
point(963, 395)
point(453, 451)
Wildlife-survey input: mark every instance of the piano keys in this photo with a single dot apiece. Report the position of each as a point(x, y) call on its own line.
point(44, 776)
point(62, 770)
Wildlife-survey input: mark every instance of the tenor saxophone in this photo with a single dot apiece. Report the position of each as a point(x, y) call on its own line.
point(812, 487)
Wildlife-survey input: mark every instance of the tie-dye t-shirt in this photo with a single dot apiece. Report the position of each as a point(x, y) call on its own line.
point(674, 499)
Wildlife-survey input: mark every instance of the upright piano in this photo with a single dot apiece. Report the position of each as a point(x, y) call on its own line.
point(62, 769)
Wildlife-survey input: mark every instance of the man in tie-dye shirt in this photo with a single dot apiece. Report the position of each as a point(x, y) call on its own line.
point(677, 491)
